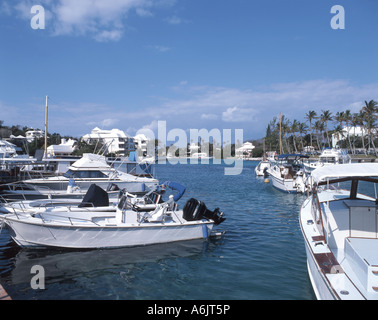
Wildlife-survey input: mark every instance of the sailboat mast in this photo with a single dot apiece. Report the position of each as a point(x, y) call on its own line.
point(280, 135)
point(46, 117)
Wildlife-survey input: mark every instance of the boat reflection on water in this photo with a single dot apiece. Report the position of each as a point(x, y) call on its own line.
point(65, 265)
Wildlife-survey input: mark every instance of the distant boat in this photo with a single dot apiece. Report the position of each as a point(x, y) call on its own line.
point(262, 167)
point(91, 168)
point(341, 232)
point(287, 173)
point(329, 156)
point(200, 155)
point(132, 224)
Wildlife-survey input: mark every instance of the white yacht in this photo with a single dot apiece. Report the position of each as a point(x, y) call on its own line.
point(287, 173)
point(91, 168)
point(340, 230)
point(329, 156)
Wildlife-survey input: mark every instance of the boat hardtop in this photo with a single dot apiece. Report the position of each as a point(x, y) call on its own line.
point(340, 229)
point(345, 170)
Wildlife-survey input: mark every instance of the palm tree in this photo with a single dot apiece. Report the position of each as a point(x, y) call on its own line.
point(339, 118)
point(319, 127)
point(302, 131)
point(361, 118)
point(370, 110)
point(311, 115)
point(294, 128)
point(348, 119)
point(285, 127)
point(325, 117)
point(339, 131)
point(355, 121)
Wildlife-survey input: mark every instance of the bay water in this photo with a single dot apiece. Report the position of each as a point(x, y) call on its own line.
point(261, 256)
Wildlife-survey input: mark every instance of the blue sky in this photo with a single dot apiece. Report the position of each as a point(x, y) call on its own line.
point(194, 63)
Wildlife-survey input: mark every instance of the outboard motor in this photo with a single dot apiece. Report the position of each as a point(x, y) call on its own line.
point(197, 210)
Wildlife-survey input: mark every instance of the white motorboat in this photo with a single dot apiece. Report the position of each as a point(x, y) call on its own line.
point(287, 173)
point(329, 156)
point(131, 224)
point(91, 168)
point(340, 230)
point(262, 167)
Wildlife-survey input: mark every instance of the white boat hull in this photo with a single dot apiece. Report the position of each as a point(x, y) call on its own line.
point(29, 234)
point(283, 184)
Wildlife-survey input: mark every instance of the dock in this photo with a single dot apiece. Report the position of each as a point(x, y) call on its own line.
point(3, 294)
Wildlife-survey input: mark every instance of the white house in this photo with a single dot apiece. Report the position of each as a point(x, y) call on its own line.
point(33, 134)
point(115, 140)
point(65, 148)
point(352, 131)
point(141, 143)
point(245, 151)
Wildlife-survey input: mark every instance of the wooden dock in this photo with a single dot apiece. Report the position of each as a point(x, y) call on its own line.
point(3, 294)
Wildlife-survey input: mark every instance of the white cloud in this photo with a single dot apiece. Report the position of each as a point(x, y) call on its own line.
point(102, 20)
point(202, 107)
point(209, 116)
point(175, 20)
point(160, 48)
point(113, 35)
point(236, 114)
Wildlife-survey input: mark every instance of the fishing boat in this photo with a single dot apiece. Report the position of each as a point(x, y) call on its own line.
point(287, 173)
point(133, 223)
point(329, 156)
point(340, 230)
point(88, 170)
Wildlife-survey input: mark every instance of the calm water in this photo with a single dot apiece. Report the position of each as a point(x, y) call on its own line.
point(261, 256)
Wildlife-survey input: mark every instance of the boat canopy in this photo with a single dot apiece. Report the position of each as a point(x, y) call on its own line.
point(176, 186)
point(90, 161)
point(345, 170)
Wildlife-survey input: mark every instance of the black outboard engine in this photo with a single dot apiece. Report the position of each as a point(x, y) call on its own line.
point(197, 210)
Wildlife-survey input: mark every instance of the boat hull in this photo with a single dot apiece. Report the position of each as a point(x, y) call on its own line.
point(283, 184)
point(29, 234)
point(319, 282)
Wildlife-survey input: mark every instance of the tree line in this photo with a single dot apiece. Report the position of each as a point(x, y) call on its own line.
point(354, 131)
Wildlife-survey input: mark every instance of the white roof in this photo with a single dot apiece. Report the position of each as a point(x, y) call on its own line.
point(91, 161)
point(345, 170)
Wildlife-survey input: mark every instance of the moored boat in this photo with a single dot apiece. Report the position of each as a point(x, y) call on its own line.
point(329, 156)
point(91, 168)
point(132, 223)
point(340, 230)
point(287, 173)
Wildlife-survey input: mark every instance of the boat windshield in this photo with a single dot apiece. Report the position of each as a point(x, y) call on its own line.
point(85, 174)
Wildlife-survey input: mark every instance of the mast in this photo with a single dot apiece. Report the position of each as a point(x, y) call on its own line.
point(46, 116)
point(280, 136)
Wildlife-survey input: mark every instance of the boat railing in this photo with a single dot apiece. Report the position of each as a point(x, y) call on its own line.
point(317, 213)
point(70, 219)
